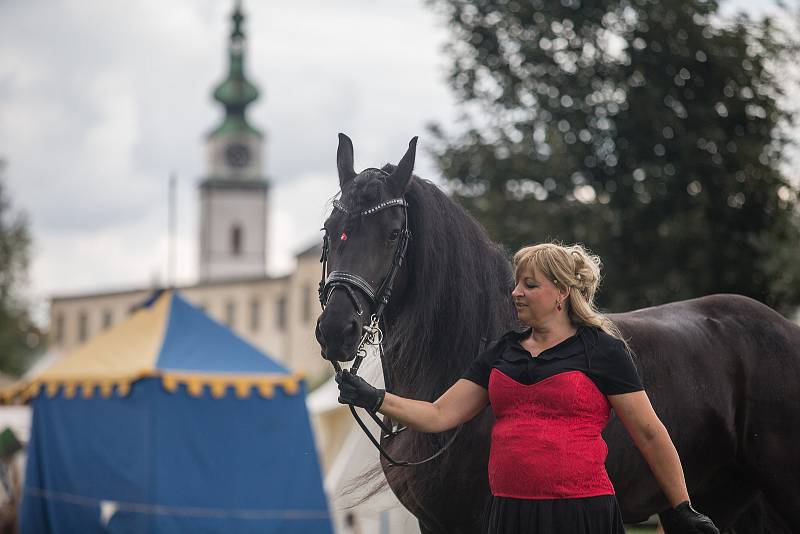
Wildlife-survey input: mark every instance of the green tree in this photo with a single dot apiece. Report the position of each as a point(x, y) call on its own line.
point(19, 337)
point(647, 129)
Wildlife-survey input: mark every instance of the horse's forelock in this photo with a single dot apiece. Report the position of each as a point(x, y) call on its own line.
point(365, 190)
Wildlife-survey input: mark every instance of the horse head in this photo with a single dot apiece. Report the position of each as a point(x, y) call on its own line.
point(364, 246)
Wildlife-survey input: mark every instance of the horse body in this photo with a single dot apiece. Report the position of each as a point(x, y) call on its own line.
point(709, 366)
point(722, 372)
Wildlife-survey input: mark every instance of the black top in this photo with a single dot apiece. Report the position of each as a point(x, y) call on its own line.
point(601, 357)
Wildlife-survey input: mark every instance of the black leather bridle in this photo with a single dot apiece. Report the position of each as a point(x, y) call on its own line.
point(373, 335)
point(350, 281)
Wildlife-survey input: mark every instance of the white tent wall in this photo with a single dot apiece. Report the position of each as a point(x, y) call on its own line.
point(346, 455)
point(381, 513)
point(19, 418)
point(331, 422)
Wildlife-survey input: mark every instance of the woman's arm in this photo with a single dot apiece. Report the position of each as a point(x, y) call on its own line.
point(458, 404)
point(463, 401)
point(652, 439)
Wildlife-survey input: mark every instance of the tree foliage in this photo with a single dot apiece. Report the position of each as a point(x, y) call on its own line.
point(652, 131)
point(19, 337)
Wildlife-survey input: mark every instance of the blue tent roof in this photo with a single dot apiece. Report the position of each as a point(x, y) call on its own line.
point(211, 347)
point(169, 338)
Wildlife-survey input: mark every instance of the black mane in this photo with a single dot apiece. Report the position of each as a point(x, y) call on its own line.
point(458, 294)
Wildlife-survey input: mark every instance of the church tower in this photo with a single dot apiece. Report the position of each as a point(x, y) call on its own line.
point(233, 196)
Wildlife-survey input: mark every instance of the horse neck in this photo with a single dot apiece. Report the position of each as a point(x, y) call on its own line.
point(435, 332)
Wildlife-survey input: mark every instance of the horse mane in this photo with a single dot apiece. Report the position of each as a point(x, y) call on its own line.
point(457, 296)
point(457, 299)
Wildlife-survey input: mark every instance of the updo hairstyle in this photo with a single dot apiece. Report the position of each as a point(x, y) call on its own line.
point(572, 267)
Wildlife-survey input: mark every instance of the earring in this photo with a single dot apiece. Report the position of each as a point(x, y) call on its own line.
point(558, 305)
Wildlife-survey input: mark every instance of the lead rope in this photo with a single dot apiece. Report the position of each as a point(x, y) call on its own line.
point(373, 335)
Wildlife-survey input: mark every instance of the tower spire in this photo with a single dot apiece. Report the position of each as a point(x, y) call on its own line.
point(234, 192)
point(236, 92)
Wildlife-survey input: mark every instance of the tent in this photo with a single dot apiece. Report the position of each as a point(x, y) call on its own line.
point(168, 422)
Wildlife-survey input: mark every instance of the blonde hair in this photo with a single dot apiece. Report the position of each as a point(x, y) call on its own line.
point(572, 267)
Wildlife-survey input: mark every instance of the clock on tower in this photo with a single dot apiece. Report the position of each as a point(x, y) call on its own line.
point(237, 155)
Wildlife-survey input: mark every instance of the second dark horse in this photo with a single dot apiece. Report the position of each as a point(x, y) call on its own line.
point(723, 371)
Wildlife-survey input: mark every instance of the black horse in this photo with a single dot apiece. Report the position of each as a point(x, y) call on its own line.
point(723, 371)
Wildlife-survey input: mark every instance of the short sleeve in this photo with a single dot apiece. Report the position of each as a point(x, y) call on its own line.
point(613, 370)
point(481, 367)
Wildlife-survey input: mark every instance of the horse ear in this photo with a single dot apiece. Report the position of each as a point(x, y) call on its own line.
point(344, 160)
point(401, 176)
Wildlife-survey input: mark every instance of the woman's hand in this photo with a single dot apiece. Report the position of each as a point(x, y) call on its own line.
point(356, 391)
point(683, 519)
point(459, 404)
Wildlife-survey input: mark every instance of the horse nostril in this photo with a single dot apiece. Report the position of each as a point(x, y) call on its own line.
point(351, 330)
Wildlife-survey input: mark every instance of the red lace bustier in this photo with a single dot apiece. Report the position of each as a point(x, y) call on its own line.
point(546, 441)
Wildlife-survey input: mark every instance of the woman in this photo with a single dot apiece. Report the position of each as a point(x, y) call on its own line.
point(551, 388)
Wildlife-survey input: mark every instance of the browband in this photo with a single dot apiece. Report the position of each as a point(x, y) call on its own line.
point(374, 209)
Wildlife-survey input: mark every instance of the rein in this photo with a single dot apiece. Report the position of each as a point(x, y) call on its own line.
point(372, 335)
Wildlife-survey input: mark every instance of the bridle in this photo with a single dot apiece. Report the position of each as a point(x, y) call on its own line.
point(349, 281)
point(373, 335)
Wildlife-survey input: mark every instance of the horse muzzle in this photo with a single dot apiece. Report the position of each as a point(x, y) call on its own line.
point(338, 334)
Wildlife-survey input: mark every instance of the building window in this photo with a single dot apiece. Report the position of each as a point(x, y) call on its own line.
point(255, 314)
point(236, 240)
point(307, 303)
point(230, 313)
point(280, 314)
point(59, 329)
point(83, 327)
point(108, 318)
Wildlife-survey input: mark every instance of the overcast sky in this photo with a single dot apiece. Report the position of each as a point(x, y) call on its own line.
point(100, 100)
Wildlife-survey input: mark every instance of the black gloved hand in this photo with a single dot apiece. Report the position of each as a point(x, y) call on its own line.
point(683, 519)
point(356, 391)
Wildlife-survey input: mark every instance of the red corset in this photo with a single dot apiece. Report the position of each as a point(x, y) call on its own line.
point(546, 441)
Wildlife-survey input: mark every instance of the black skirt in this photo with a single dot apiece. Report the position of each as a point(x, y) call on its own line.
point(589, 515)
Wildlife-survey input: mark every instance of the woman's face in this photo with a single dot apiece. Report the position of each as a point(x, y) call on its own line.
point(535, 298)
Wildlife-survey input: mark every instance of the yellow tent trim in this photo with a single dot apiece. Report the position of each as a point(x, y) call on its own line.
point(218, 385)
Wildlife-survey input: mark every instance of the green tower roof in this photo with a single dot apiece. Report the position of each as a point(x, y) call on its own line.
point(236, 92)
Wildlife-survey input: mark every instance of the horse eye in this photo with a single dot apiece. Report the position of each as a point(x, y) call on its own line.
point(394, 235)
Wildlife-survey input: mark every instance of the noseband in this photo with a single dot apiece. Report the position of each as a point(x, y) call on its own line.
point(373, 335)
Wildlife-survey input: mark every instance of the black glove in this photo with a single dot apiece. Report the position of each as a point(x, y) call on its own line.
point(356, 391)
point(683, 519)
